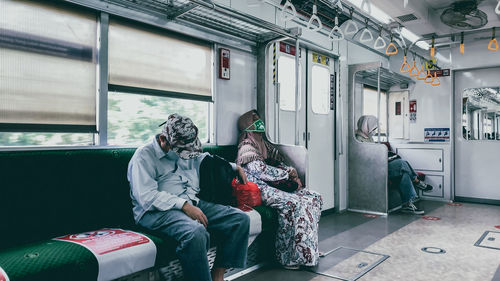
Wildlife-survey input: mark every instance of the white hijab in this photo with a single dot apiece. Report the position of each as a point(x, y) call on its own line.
point(367, 124)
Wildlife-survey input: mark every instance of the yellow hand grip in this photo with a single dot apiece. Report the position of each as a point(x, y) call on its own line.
point(493, 46)
point(462, 48)
point(405, 64)
point(429, 76)
point(421, 71)
point(434, 83)
point(413, 67)
point(390, 53)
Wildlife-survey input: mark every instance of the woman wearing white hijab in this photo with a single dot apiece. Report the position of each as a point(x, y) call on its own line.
point(398, 168)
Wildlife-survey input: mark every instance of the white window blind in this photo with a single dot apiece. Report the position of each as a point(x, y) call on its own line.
point(47, 68)
point(142, 58)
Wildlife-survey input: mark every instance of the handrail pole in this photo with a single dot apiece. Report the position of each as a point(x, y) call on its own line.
point(297, 91)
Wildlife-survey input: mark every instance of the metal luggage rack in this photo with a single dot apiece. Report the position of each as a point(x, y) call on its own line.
point(203, 13)
point(387, 78)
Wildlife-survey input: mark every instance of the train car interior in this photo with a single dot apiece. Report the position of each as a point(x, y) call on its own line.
point(372, 144)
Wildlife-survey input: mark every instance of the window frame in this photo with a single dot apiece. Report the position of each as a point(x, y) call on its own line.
point(102, 88)
point(382, 92)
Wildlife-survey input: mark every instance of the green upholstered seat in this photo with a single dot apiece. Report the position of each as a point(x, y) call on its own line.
point(50, 193)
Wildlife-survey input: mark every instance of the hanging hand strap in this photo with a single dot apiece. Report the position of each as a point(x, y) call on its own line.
point(288, 12)
point(391, 45)
point(429, 78)
point(367, 35)
point(413, 68)
point(351, 24)
point(405, 67)
point(380, 42)
point(421, 73)
point(336, 34)
point(435, 80)
point(366, 6)
point(314, 18)
point(433, 50)
point(339, 6)
point(462, 46)
point(493, 45)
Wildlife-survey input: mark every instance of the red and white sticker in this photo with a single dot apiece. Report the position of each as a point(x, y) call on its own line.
point(3, 275)
point(431, 218)
point(103, 241)
point(497, 226)
point(455, 204)
point(370, 216)
point(118, 252)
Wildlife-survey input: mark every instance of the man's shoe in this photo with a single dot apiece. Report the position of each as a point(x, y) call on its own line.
point(411, 208)
point(422, 186)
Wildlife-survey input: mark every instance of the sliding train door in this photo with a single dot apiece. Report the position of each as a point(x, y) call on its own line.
point(283, 100)
point(321, 92)
point(477, 138)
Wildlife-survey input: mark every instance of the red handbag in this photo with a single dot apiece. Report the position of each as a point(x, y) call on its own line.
point(247, 195)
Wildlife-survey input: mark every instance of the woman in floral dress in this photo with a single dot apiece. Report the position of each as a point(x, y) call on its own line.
point(299, 211)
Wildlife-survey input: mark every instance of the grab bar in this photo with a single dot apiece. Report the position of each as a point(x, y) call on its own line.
point(314, 17)
point(285, 15)
point(350, 23)
point(336, 30)
point(366, 33)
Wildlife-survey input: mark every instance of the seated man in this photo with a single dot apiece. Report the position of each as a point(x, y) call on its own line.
point(164, 181)
point(398, 168)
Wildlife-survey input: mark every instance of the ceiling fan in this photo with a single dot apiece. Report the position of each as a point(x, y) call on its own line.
point(464, 15)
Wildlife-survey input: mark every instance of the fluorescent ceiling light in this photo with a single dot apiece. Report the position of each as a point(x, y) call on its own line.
point(412, 37)
point(423, 45)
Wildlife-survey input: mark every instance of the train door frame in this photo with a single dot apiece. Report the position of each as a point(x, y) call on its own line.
point(282, 117)
point(318, 179)
point(458, 140)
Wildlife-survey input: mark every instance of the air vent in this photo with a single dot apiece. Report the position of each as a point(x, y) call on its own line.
point(407, 18)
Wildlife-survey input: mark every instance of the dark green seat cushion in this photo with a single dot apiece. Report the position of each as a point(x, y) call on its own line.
point(50, 193)
point(62, 261)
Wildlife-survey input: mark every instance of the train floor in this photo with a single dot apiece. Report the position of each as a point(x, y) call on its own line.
point(461, 242)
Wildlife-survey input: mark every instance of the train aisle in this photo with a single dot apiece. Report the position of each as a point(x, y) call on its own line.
point(451, 242)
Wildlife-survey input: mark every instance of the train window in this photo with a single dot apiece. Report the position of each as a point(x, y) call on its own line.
point(370, 107)
point(142, 58)
point(47, 70)
point(320, 89)
point(133, 119)
point(481, 113)
point(45, 139)
point(286, 79)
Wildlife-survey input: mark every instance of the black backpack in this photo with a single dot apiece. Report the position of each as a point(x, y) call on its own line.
point(216, 176)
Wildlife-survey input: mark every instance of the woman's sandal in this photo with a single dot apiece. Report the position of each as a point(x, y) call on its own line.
point(292, 267)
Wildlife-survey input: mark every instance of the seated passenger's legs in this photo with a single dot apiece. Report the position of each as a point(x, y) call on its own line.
point(193, 239)
point(398, 167)
point(406, 188)
point(230, 226)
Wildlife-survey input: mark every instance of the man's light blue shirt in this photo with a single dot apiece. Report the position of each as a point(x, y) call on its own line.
point(162, 181)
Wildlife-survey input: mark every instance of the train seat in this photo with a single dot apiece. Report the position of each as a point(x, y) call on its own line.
point(52, 193)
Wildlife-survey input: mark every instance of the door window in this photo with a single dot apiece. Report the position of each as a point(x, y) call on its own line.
point(286, 79)
point(320, 89)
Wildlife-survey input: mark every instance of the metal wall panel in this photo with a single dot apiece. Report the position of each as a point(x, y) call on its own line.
point(367, 161)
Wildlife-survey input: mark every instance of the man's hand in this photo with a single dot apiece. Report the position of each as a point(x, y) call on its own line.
point(242, 175)
point(195, 213)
